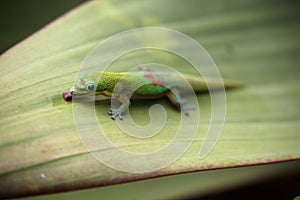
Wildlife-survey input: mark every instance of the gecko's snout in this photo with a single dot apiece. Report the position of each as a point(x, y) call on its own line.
point(67, 96)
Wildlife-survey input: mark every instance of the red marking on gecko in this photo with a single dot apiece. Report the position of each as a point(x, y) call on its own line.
point(156, 83)
point(82, 82)
point(94, 79)
point(148, 75)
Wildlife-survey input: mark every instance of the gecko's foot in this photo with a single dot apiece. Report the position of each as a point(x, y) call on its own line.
point(116, 113)
point(185, 108)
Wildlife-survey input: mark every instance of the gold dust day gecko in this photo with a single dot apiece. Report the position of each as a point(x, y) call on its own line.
point(151, 85)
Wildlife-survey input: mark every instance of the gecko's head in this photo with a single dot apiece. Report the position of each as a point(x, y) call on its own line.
point(86, 85)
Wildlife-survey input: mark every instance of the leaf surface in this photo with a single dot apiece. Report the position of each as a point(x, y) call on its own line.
point(41, 151)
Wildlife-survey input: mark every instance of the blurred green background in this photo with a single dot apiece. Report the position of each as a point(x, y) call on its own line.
point(19, 19)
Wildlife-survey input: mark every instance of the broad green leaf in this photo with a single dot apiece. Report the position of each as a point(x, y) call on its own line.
point(41, 151)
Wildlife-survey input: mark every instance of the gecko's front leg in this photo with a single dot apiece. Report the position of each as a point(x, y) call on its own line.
point(119, 112)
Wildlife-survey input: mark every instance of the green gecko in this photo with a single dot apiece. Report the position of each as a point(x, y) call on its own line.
point(152, 85)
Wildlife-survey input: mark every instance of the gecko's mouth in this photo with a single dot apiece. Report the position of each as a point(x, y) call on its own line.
point(68, 96)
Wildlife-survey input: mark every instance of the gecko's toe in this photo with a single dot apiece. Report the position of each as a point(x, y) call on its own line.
point(185, 109)
point(115, 113)
point(113, 117)
point(110, 111)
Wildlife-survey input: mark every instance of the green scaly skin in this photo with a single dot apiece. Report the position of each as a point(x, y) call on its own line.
point(120, 85)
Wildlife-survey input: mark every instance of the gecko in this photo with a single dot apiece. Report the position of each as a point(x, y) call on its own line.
point(152, 85)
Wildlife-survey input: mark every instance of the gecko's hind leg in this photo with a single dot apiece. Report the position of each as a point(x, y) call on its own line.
point(180, 103)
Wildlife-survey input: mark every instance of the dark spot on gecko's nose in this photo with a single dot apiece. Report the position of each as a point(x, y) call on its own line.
point(67, 96)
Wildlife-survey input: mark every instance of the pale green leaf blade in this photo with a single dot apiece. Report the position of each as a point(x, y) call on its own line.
point(40, 149)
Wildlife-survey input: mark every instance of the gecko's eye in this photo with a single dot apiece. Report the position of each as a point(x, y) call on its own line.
point(90, 87)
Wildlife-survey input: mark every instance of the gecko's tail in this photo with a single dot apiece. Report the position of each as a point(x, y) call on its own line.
point(233, 85)
point(199, 84)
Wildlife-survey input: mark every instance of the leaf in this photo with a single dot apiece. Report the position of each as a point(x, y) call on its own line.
point(41, 151)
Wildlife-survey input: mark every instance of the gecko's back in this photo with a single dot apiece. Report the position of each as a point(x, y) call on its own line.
point(156, 83)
